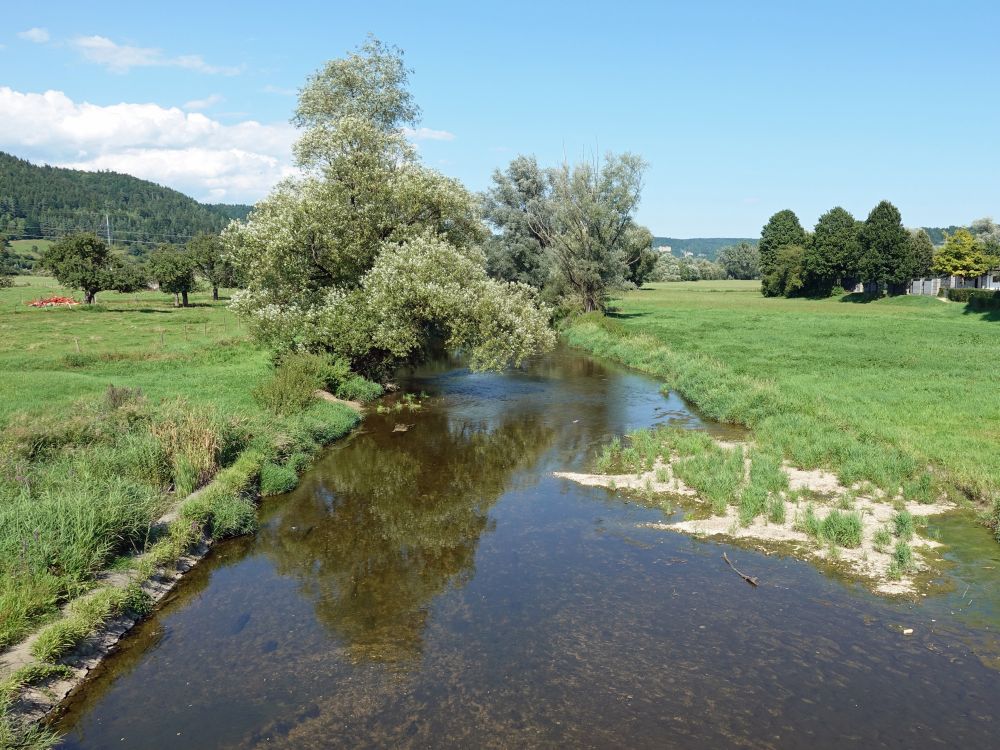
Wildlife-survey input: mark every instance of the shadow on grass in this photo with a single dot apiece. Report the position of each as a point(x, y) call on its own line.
point(990, 315)
point(612, 313)
point(860, 298)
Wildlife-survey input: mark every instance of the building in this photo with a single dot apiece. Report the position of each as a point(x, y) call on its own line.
point(933, 284)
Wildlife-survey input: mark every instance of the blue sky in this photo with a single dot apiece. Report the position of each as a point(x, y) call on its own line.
point(740, 108)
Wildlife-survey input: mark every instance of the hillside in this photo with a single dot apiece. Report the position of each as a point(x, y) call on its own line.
point(42, 202)
point(707, 247)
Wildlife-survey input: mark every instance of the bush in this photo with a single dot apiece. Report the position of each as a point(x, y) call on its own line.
point(357, 388)
point(275, 479)
point(300, 374)
point(977, 299)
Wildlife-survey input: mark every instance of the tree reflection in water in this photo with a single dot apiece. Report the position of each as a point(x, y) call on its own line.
point(389, 521)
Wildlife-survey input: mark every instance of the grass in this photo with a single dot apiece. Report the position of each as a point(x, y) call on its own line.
point(112, 413)
point(898, 393)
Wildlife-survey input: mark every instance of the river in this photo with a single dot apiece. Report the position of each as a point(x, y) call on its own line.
point(438, 587)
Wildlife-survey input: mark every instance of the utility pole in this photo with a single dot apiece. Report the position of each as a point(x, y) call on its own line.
point(107, 223)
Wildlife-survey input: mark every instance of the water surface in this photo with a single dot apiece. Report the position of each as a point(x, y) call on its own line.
point(439, 587)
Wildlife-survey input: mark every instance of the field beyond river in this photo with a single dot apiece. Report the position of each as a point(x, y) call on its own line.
point(899, 392)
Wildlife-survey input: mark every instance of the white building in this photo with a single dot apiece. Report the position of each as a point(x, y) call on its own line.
point(933, 284)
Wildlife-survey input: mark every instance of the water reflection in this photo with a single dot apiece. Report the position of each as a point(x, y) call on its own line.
point(390, 520)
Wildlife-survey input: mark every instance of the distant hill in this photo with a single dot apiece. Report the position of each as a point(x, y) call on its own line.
point(42, 202)
point(707, 247)
point(937, 233)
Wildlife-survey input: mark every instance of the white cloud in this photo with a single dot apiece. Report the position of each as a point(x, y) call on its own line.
point(196, 105)
point(426, 134)
point(36, 35)
point(120, 58)
point(188, 151)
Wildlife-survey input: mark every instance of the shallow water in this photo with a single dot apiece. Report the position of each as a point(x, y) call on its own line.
point(438, 587)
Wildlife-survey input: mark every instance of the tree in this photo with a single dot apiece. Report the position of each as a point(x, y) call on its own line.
point(781, 229)
point(589, 228)
point(831, 257)
point(923, 252)
point(786, 277)
point(887, 253)
point(207, 253)
point(987, 232)
point(741, 261)
point(962, 255)
point(640, 255)
point(371, 256)
point(667, 268)
point(173, 269)
point(84, 261)
point(516, 252)
point(8, 268)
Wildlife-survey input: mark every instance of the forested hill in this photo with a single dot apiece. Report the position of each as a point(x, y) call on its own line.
point(707, 247)
point(48, 202)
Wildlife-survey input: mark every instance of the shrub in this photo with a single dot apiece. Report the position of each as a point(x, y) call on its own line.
point(275, 479)
point(357, 388)
point(290, 389)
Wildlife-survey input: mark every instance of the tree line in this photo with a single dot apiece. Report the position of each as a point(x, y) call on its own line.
point(879, 252)
point(86, 262)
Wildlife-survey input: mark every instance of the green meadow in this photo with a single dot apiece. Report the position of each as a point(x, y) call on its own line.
point(113, 413)
point(899, 392)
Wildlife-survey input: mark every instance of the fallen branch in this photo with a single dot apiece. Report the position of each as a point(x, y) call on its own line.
point(749, 579)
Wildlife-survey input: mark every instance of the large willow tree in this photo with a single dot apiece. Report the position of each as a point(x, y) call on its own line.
point(372, 256)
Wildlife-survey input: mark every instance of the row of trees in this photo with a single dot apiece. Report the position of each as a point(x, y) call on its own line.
point(84, 261)
point(879, 251)
point(669, 267)
point(569, 231)
point(841, 251)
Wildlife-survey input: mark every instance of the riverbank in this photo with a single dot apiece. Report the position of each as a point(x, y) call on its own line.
point(134, 433)
point(842, 419)
point(897, 393)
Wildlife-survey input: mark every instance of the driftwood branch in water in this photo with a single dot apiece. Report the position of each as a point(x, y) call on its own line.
point(749, 579)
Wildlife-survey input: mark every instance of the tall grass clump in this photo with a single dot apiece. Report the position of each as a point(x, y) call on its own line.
point(902, 524)
point(841, 528)
point(716, 473)
point(292, 386)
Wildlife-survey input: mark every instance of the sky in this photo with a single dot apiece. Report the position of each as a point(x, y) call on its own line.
point(741, 109)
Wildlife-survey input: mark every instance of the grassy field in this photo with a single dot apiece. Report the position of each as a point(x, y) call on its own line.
point(900, 392)
point(113, 412)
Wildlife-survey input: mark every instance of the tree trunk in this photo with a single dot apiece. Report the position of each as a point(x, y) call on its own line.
point(215, 293)
point(89, 296)
point(177, 300)
point(184, 299)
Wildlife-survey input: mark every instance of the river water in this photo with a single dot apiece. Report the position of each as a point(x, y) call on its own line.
point(439, 587)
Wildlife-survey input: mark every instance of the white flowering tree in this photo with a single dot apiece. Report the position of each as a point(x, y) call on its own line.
point(371, 255)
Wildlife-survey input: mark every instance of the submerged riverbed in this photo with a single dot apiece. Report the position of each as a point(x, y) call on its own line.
point(439, 587)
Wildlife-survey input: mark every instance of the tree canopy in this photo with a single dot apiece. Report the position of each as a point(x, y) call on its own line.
point(84, 261)
point(962, 255)
point(887, 253)
point(740, 261)
point(782, 229)
point(173, 268)
point(372, 256)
